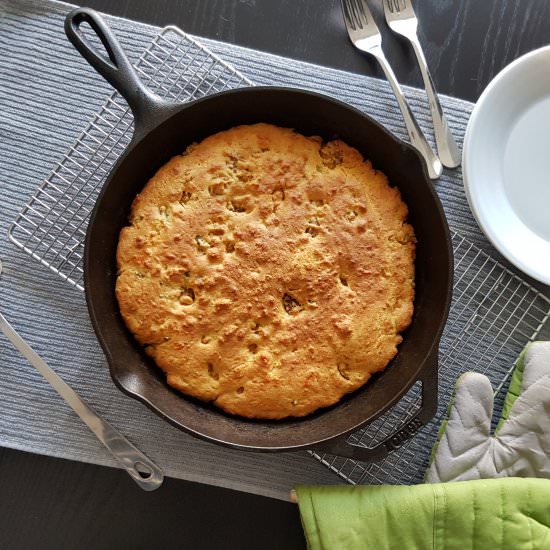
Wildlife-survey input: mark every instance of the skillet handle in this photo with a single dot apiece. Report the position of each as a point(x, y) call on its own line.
point(148, 109)
point(428, 377)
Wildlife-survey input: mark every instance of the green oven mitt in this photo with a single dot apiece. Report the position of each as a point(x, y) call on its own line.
point(521, 443)
point(495, 514)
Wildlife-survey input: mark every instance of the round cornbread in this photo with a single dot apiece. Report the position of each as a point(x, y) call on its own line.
point(267, 272)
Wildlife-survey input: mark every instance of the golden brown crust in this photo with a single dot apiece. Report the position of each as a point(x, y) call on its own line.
point(267, 272)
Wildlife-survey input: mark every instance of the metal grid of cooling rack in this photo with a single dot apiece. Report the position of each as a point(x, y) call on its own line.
point(52, 226)
point(493, 315)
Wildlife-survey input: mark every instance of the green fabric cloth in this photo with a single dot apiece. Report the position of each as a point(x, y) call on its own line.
point(486, 514)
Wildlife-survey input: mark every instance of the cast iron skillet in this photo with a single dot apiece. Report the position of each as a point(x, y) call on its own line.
point(163, 130)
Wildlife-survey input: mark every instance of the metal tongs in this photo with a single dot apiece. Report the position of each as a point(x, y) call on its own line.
point(140, 468)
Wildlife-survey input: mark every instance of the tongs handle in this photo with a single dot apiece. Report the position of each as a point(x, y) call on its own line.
point(141, 469)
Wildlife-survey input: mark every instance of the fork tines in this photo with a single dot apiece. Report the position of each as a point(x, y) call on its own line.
point(355, 13)
point(396, 5)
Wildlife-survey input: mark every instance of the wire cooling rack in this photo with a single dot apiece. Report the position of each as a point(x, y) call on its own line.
point(493, 314)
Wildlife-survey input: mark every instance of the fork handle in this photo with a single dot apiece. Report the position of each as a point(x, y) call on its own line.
point(446, 144)
point(416, 136)
point(141, 469)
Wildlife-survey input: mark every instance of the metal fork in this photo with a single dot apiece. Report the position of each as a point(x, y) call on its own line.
point(402, 20)
point(141, 469)
point(365, 36)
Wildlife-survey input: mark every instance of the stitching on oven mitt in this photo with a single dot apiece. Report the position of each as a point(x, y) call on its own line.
point(521, 443)
point(496, 514)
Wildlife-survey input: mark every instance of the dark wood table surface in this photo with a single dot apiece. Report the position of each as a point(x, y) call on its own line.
point(47, 503)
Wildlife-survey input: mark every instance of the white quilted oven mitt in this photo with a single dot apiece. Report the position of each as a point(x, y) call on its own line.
point(521, 444)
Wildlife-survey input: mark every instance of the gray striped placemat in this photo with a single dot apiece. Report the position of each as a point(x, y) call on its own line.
point(47, 94)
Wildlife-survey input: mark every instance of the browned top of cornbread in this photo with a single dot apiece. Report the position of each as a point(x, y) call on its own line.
point(267, 272)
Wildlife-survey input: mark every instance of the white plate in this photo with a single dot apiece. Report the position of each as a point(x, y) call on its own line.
point(506, 163)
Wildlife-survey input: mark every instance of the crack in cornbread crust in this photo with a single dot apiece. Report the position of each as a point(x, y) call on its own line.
point(267, 272)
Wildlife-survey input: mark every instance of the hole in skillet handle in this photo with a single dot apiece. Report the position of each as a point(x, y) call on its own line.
point(428, 408)
point(94, 43)
point(117, 67)
point(149, 110)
